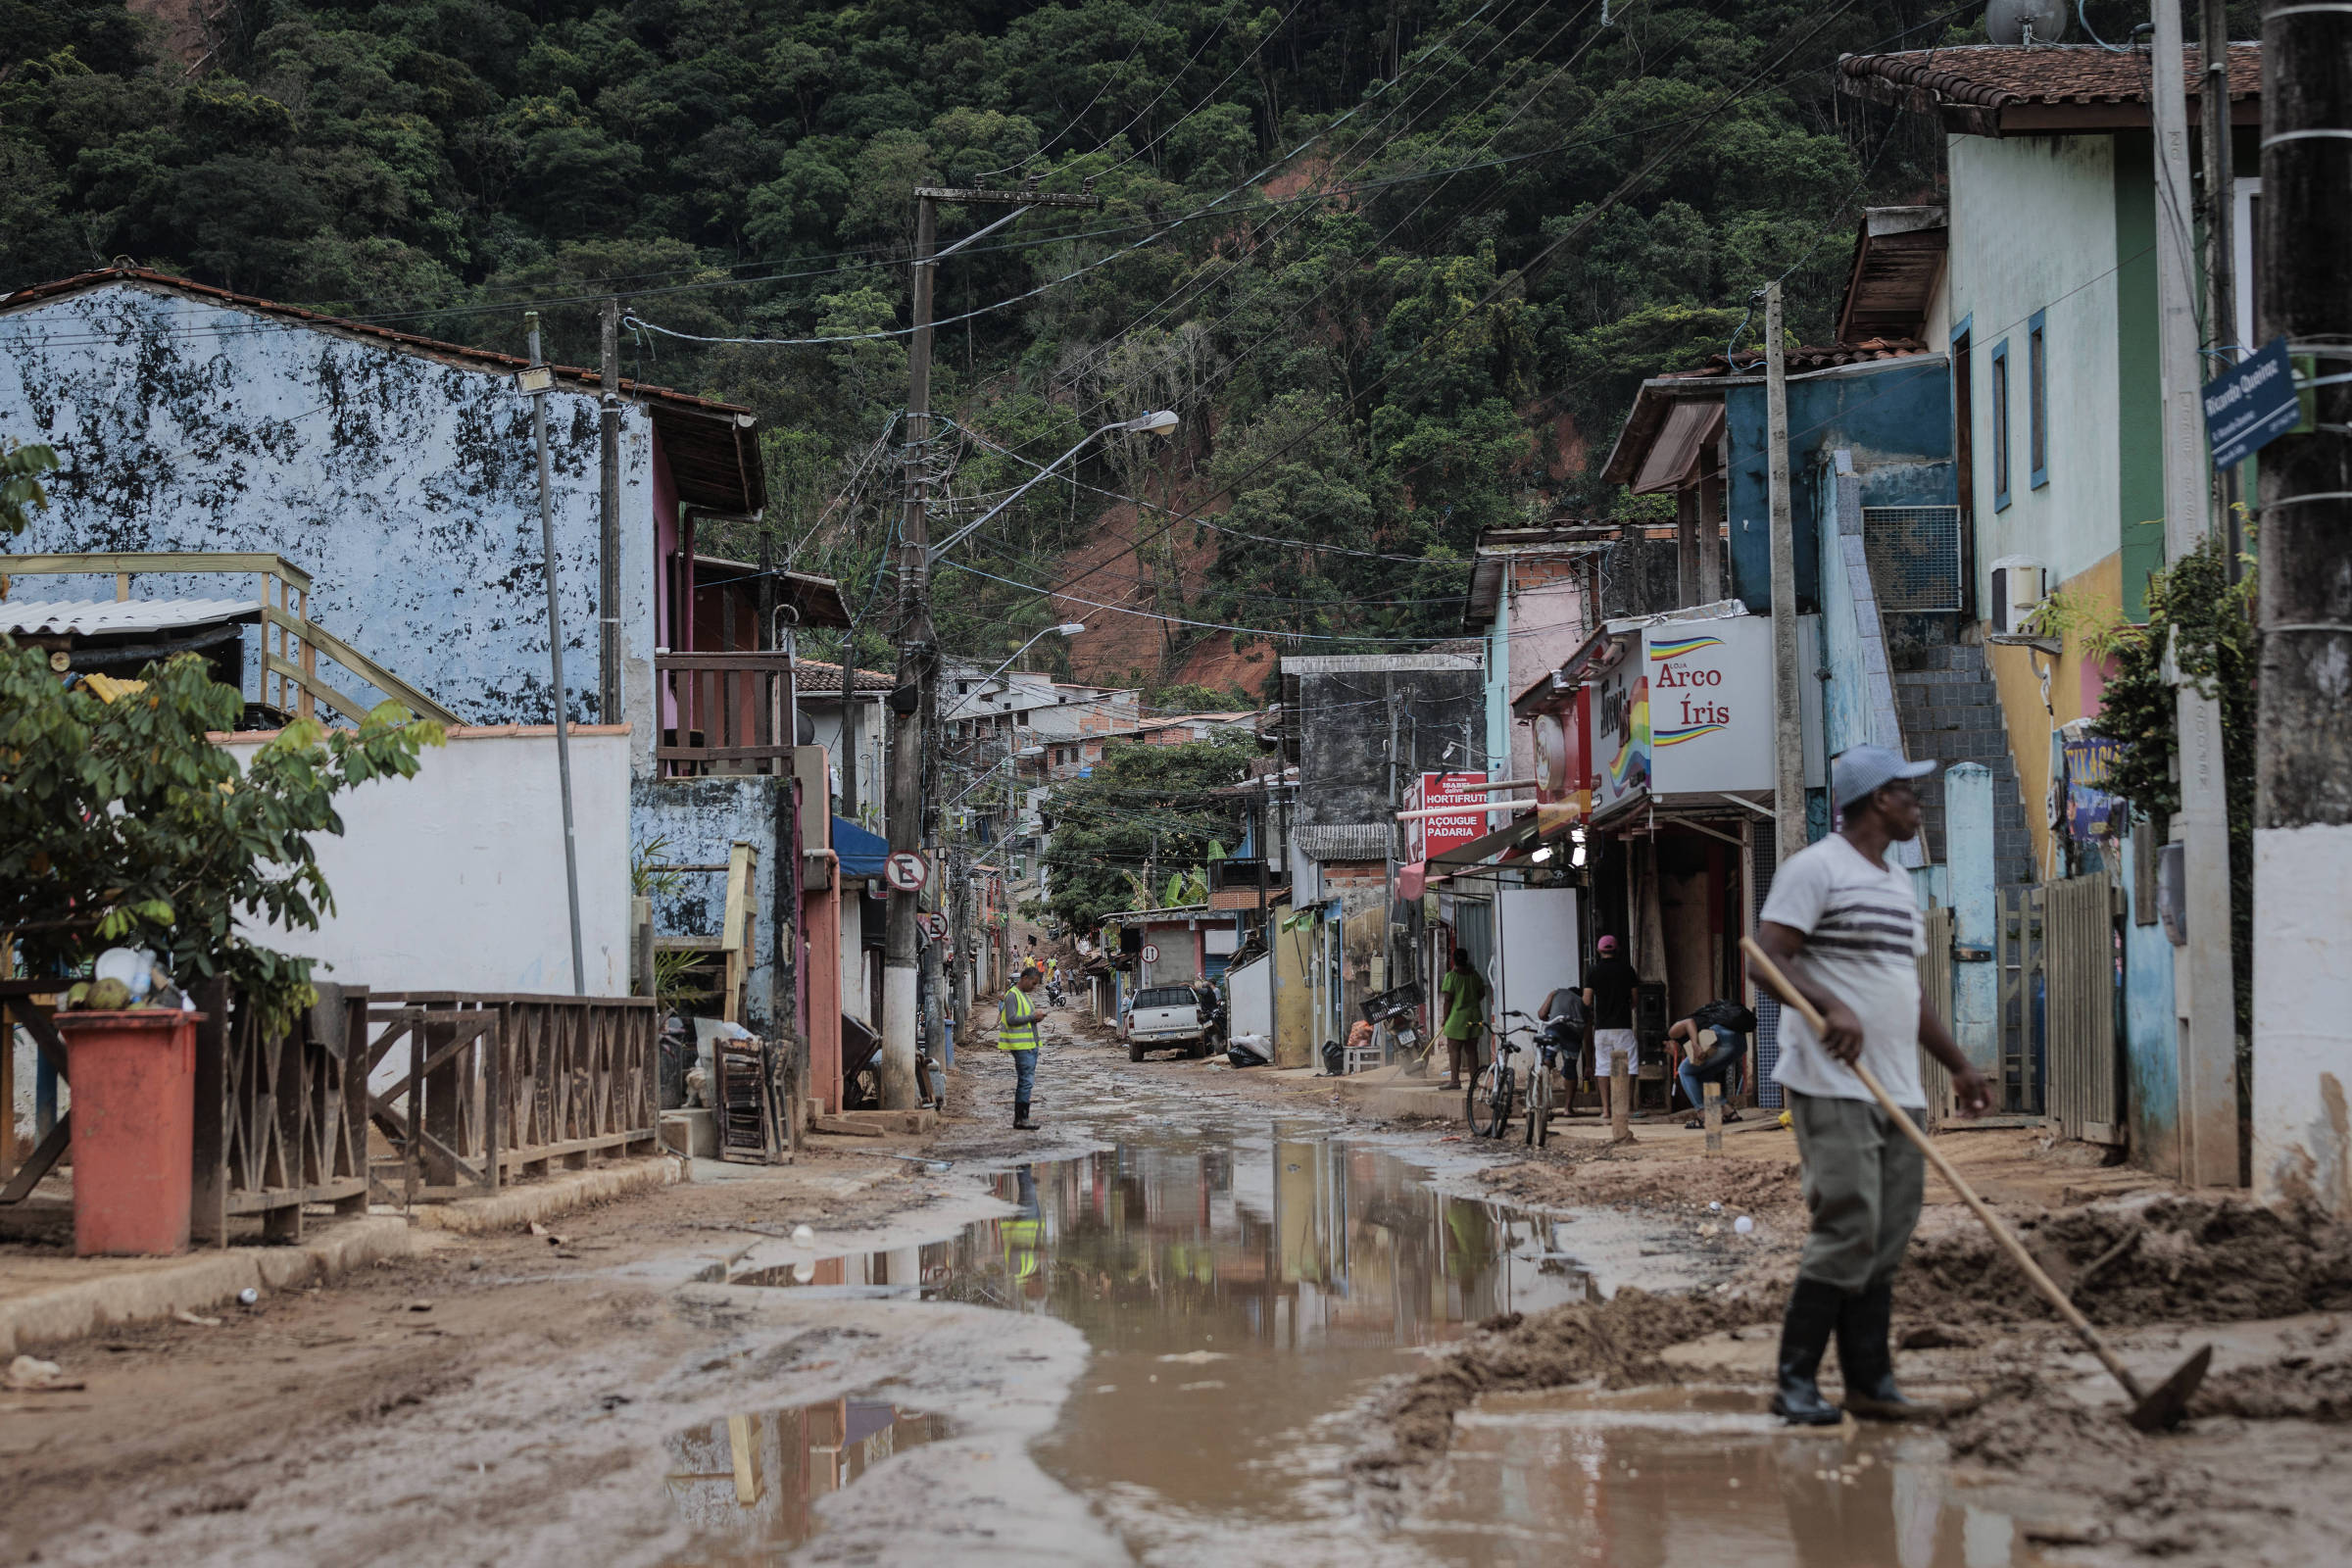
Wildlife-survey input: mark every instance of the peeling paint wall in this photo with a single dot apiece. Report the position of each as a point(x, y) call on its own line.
point(702, 819)
point(408, 488)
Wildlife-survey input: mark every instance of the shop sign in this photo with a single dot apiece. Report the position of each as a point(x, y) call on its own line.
point(1689, 713)
point(1434, 835)
point(2090, 811)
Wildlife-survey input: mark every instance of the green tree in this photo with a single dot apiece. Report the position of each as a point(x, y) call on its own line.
point(22, 466)
point(122, 823)
point(1143, 804)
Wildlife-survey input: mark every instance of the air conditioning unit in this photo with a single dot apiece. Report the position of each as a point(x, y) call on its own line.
point(2020, 584)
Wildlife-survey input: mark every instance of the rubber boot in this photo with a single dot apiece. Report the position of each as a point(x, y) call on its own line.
point(1866, 1360)
point(1813, 1315)
point(1020, 1117)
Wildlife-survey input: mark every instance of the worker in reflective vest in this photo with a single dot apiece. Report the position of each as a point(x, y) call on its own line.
point(1017, 1032)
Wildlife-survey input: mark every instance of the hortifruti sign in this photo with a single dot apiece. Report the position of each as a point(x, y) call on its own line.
point(1681, 710)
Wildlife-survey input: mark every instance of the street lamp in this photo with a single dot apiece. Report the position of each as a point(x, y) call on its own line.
point(1157, 422)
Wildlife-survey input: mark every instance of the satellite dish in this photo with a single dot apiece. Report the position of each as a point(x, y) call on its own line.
point(2026, 21)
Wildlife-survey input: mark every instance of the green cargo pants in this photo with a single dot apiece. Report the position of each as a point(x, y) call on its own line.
point(1863, 1181)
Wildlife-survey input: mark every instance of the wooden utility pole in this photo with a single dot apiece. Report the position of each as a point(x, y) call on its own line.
point(2221, 231)
point(914, 703)
point(608, 518)
point(2303, 734)
point(2204, 988)
point(1788, 691)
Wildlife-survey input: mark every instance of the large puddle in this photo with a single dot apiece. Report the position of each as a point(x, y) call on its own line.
point(747, 1484)
point(1243, 1288)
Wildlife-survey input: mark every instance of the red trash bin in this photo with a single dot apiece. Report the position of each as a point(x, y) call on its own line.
point(133, 1080)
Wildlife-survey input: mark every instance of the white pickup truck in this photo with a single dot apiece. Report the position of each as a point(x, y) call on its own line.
point(1164, 1019)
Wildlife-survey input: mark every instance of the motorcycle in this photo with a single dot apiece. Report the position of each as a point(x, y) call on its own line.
point(1053, 994)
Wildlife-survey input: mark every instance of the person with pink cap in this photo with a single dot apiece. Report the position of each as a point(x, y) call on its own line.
point(1609, 1004)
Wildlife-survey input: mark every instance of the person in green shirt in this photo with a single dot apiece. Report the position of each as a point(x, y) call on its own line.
point(1465, 992)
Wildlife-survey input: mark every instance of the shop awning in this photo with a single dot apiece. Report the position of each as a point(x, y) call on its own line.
point(861, 853)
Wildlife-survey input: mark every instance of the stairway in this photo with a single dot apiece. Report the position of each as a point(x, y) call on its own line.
point(1950, 711)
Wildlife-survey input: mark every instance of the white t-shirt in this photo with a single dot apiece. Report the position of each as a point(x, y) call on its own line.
point(1863, 941)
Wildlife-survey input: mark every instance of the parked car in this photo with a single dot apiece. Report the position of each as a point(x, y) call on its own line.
point(1164, 1019)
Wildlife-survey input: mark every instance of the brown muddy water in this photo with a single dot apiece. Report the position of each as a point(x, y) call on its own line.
point(1243, 1288)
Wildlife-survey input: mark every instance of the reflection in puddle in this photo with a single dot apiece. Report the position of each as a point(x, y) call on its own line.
point(1661, 1477)
point(746, 1486)
point(1234, 1291)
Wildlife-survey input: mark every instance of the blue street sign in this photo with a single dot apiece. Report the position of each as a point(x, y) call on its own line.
point(2250, 405)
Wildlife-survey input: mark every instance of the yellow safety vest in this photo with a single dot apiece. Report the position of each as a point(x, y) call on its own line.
point(1021, 1033)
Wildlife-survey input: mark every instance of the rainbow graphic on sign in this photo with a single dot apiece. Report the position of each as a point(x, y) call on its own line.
point(1692, 732)
point(1664, 648)
point(1631, 765)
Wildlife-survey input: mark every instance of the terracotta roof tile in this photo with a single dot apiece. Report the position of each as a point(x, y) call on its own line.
point(1991, 78)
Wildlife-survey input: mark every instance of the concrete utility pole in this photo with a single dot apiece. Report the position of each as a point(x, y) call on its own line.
point(2303, 736)
point(1788, 691)
point(540, 386)
point(914, 704)
point(2203, 989)
point(607, 519)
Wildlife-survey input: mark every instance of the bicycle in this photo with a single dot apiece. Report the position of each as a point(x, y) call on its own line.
point(1540, 1099)
point(1488, 1102)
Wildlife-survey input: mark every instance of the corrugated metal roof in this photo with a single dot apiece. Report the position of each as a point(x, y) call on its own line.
point(1344, 841)
point(97, 617)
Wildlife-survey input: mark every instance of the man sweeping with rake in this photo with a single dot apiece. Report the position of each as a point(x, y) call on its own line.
point(1844, 926)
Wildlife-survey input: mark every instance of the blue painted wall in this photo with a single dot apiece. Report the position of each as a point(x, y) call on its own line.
point(1896, 418)
point(702, 819)
point(2150, 1031)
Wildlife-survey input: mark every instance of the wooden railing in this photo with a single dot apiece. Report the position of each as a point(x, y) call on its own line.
point(501, 1086)
point(725, 713)
point(281, 1118)
point(291, 642)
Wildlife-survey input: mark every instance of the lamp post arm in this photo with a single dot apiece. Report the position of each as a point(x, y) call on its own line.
point(950, 541)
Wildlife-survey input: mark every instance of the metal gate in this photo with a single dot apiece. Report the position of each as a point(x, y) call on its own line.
point(2057, 1005)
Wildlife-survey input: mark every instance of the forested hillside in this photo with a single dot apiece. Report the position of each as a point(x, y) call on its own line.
point(1398, 265)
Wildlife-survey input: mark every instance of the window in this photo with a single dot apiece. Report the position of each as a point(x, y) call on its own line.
point(2000, 425)
point(2038, 401)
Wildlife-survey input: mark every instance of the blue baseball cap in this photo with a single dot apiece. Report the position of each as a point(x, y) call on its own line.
point(1859, 769)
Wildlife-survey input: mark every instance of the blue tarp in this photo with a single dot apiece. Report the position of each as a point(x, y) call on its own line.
point(861, 853)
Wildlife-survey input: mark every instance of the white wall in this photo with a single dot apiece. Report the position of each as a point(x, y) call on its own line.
point(454, 880)
point(2302, 1017)
point(1249, 990)
point(1538, 944)
point(2033, 228)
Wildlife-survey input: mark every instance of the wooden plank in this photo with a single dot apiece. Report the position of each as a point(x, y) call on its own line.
point(769, 661)
point(43, 1029)
point(843, 1127)
point(179, 561)
point(360, 664)
point(532, 1155)
point(45, 1154)
point(208, 1207)
point(308, 685)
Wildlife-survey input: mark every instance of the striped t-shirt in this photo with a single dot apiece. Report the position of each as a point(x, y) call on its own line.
point(1863, 940)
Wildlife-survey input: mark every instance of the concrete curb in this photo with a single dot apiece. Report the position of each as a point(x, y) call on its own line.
point(518, 1205)
point(193, 1283)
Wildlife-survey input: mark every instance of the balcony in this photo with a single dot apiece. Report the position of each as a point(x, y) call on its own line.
point(725, 713)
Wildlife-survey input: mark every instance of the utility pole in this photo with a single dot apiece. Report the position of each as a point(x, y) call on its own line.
point(2220, 233)
point(2303, 742)
point(542, 384)
point(1787, 693)
point(2203, 989)
point(607, 519)
point(914, 703)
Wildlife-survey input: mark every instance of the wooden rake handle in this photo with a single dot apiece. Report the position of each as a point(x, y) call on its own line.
point(1778, 985)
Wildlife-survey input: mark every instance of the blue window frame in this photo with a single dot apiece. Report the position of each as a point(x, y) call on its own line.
point(2038, 401)
point(2000, 425)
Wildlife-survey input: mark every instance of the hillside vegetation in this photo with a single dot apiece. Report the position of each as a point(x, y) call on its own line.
point(1398, 265)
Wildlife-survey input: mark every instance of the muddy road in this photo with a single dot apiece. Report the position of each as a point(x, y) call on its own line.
point(1197, 1319)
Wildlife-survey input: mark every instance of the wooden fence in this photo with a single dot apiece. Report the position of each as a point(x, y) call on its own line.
point(1936, 983)
point(499, 1085)
point(280, 1116)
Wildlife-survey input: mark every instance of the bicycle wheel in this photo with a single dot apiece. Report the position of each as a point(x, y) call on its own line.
point(1490, 1100)
point(1538, 1105)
